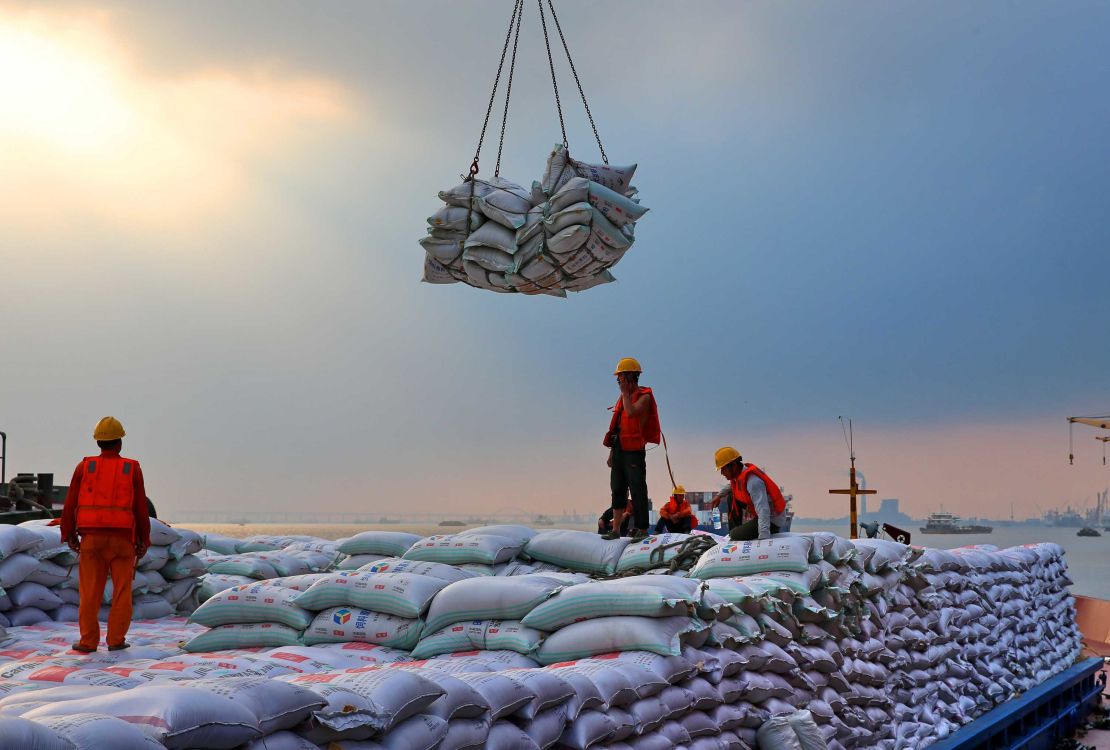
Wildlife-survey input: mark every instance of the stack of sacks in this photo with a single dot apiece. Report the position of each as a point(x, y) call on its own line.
point(795, 604)
point(883, 645)
point(981, 625)
point(477, 550)
point(39, 575)
point(642, 613)
point(384, 605)
point(563, 234)
point(248, 616)
point(485, 614)
point(371, 546)
point(262, 558)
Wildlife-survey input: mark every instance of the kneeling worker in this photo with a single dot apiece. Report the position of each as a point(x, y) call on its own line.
point(676, 515)
point(752, 492)
point(105, 519)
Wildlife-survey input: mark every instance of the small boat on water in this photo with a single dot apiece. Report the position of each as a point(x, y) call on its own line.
point(1088, 531)
point(948, 523)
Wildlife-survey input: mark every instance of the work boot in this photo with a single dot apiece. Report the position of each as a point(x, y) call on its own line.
point(610, 536)
point(120, 646)
point(82, 648)
point(639, 535)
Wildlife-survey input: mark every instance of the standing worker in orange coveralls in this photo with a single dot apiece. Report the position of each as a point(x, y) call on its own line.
point(105, 519)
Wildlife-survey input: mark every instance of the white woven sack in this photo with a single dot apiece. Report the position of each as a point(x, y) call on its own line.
point(255, 602)
point(792, 731)
point(504, 735)
point(441, 571)
point(189, 566)
point(213, 583)
point(503, 695)
point(660, 635)
point(496, 598)
point(15, 568)
point(638, 554)
point(276, 705)
point(577, 550)
point(220, 544)
point(389, 543)
point(18, 703)
point(354, 562)
point(378, 699)
point(15, 539)
point(28, 594)
point(178, 717)
point(457, 549)
point(730, 559)
point(282, 741)
point(161, 535)
point(465, 733)
point(89, 731)
point(253, 635)
point(507, 530)
point(340, 624)
point(402, 594)
point(591, 600)
point(248, 565)
point(485, 635)
point(21, 733)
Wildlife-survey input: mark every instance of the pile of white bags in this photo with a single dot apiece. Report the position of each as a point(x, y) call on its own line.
point(39, 575)
point(803, 641)
point(564, 233)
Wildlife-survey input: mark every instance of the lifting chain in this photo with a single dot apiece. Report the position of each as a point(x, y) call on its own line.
point(518, 9)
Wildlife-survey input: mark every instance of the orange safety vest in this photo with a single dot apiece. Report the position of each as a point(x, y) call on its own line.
point(107, 493)
point(635, 433)
point(673, 507)
point(740, 494)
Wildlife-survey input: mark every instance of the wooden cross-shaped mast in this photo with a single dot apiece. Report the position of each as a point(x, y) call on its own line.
point(853, 491)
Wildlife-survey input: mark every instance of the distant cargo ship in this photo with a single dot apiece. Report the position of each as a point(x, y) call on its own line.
point(947, 523)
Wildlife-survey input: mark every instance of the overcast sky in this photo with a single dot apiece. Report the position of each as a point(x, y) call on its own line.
point(209, 216)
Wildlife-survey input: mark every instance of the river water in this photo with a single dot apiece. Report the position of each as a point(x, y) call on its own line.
point(1088, 558)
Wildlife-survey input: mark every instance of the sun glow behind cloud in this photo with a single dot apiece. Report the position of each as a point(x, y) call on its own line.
point(87, 134)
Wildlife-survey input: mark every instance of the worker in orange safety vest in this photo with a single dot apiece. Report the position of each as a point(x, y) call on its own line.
point(105, 520)
point(676, 515)
point(755, 503)
point(634, 424)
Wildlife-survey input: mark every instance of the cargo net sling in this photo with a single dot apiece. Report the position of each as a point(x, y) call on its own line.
point(564, 233)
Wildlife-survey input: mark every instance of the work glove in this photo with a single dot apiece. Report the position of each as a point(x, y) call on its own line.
point(140, 550)
point(74, 544)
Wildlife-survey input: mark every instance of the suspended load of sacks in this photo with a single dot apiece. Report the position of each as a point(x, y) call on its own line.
point(565, 233)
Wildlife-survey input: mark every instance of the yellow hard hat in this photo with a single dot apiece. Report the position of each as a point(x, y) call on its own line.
point(679, 490)
point(628, 364)
point(724, 456)
point(108, 428)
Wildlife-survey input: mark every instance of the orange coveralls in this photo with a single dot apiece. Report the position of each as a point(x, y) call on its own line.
point(106, 507)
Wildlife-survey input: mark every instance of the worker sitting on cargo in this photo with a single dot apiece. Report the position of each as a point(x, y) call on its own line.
point(676, 515)
point(750, 493)
point(105, 519)
point(635, 423)
point(605, 522)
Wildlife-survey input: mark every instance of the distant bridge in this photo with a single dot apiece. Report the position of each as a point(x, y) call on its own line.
point(362, 517)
